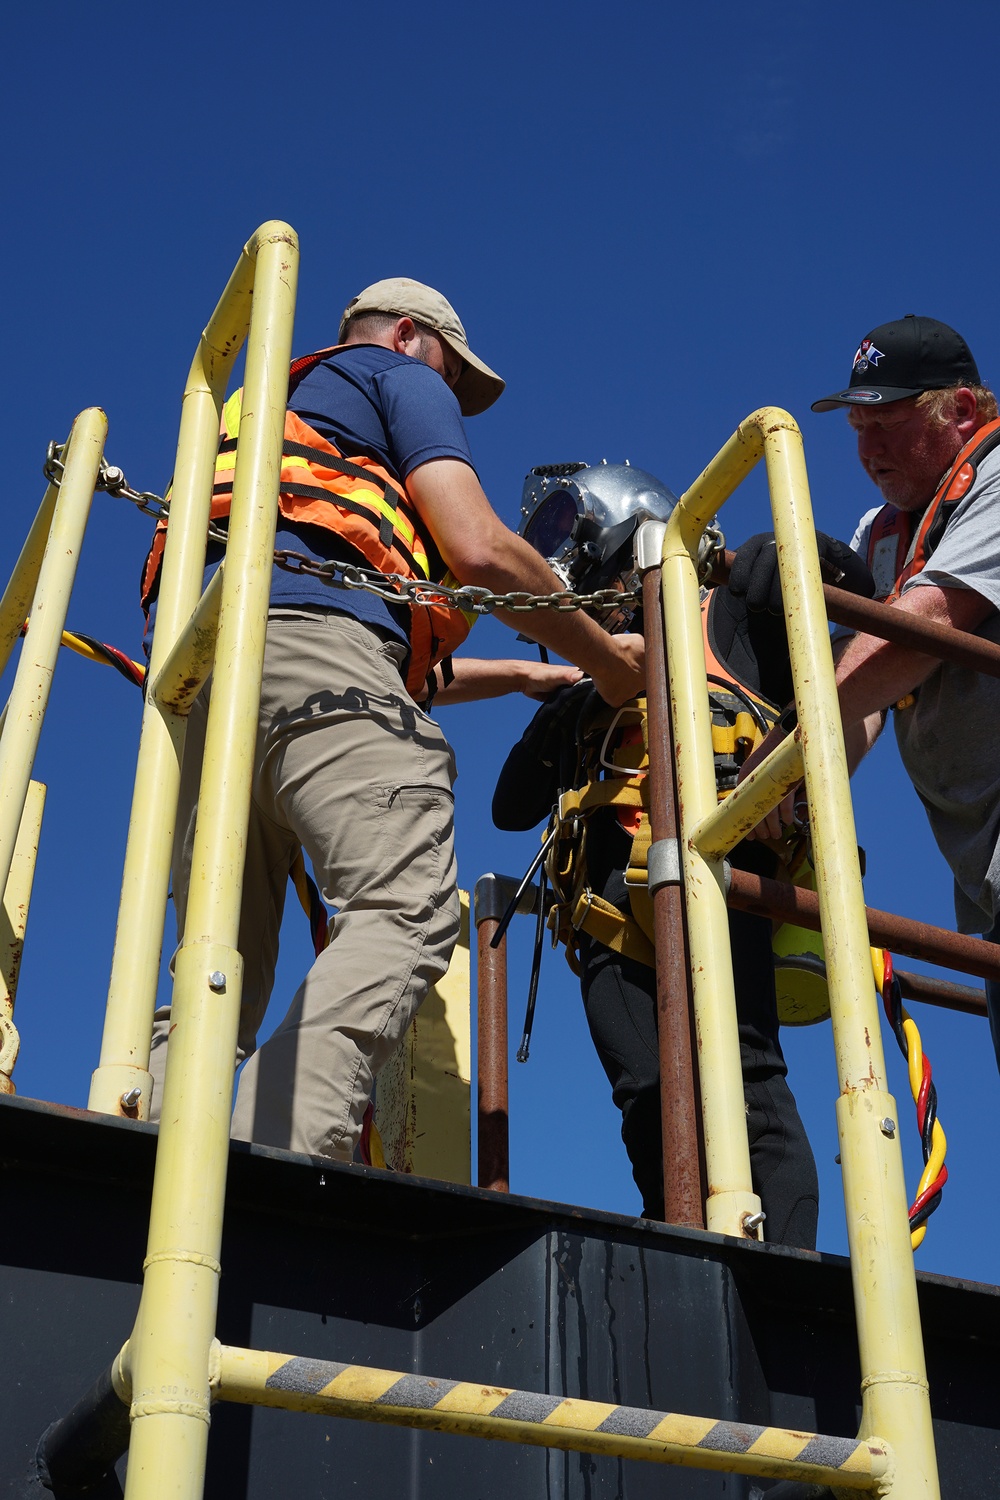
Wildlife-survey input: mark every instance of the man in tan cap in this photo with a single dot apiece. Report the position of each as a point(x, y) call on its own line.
point(376, 471)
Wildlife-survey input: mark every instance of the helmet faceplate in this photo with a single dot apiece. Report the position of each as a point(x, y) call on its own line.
point(582, 519)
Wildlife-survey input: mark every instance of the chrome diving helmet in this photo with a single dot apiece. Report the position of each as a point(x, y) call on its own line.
point(583, 520)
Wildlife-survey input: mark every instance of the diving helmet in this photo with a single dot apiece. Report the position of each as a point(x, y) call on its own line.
point(583, 518)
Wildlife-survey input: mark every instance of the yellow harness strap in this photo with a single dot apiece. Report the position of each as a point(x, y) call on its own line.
point(605, 923)
point(584, 799)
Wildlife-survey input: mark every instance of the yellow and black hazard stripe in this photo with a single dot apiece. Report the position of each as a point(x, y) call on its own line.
point(491, 1411)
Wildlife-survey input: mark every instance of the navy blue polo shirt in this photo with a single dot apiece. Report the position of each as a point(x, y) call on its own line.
point(365, 400)
point(370, 400)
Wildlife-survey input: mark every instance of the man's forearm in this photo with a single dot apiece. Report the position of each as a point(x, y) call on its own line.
point(475, 678)
point(479, 549)
point(513, 566)
point(873, 674)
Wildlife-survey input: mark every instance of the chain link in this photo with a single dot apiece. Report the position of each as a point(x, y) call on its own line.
point(470, 598)
point(111, 479)
point(394, 587)
point(712, 544)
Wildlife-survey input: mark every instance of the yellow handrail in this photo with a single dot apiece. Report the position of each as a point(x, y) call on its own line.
point(52, 575)
point(169, 1353)
point(896, 1404)
point(124, 1060)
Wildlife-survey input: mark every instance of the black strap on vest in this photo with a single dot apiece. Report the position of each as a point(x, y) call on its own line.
point(386, 531)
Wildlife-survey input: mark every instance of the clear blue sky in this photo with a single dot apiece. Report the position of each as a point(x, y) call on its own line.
point(652, 220)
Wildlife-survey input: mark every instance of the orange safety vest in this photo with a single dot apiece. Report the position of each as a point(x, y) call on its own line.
point(900, 543)
point(354, 497)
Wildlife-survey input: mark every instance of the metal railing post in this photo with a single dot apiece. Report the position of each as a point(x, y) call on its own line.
point(730, 1200)
point(20, 590)
point(135, 968)
point(896, 1403)
point(169, 1353)
point(33, 680)
point(493, 1129)
point(13, 922)
point(684, 1190)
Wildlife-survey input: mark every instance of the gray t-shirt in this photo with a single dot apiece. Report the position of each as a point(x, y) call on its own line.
point(948, 739)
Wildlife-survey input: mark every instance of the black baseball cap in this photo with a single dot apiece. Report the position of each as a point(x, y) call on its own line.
point(902, 359)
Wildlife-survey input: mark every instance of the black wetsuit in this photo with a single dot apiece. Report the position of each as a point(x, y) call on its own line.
point(619, 994)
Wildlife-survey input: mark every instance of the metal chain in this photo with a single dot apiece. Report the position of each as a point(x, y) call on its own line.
point(394, 587)
point(112, 479)
point(470, 598)
point(712, 544)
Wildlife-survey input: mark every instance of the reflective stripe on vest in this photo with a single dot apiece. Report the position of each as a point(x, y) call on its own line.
point(897, 551)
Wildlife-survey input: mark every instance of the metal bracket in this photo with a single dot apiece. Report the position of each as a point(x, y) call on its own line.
point(663, 864)
point(649, 545)
point(494, 893)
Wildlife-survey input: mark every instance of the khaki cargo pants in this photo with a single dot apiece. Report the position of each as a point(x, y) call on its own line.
point(348, 767)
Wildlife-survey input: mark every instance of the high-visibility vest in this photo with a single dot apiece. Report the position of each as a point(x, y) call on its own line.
point(900, 543)
point(358, 500)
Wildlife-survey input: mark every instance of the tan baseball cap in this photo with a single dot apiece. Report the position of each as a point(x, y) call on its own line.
point(478, 386)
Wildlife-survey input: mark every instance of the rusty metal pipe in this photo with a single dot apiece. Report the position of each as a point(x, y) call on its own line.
point(494, 1142)
point(942, 993)
point(898, 626)
point(680, 1112)
point(789, 903)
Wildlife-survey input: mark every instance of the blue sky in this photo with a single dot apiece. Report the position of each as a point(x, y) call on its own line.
point(652, 221)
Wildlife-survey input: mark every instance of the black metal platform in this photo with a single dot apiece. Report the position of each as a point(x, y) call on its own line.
point(366, 1267)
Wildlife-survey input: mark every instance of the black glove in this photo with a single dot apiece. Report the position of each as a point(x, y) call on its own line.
point(754, 574)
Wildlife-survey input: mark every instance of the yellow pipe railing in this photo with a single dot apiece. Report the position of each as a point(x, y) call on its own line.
point(743, 809)
point(731, 1207)
point(190, 663)
point(55, 574)
point(13, 922)
point(16, 602)
point(169, 1353)
point(483, 1410)
point(896, 1403)
point(124, 1060)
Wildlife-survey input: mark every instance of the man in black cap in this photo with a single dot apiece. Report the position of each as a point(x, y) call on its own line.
point(929, 439)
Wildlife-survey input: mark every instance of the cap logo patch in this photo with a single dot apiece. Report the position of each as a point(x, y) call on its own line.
point(866, 355)
point(864, 395)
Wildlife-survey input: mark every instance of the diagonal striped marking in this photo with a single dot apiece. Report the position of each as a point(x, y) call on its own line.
point(836, 1453)
point(419, 1391)
point(631, 1421)
point(482, 1400)
point(779, 1442)
point(526, 1406)
point(677, 1428)
point(585, 1416)
point(358, 1383)
point(731, 1437)
point(305, 1376)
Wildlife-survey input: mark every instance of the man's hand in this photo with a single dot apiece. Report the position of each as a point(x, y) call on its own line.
point(625, 674)
point(480, 549)
point(540, 679)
